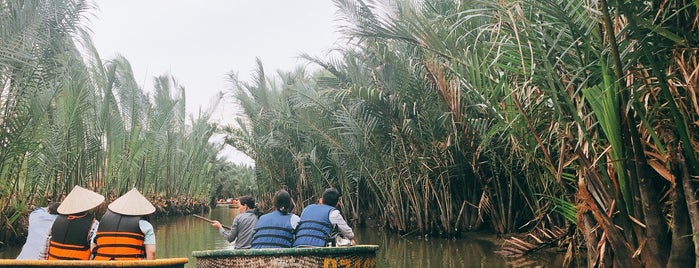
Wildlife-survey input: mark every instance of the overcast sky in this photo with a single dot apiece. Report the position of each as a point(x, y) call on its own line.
point(199, 42)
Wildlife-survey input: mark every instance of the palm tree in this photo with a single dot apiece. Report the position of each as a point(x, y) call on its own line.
point(69, 118)
point(500, 112)
point(37, 61)
point(529, 42)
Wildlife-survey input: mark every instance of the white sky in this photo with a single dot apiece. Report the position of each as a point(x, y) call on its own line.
point(199, 42)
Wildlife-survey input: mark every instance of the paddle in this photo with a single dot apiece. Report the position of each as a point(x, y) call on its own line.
point(210, 221)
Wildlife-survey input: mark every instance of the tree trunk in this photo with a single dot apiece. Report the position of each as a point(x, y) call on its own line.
point(657, 246)
point(682, 247)
point(591, 240)
point(616, 242)
point(692, 205)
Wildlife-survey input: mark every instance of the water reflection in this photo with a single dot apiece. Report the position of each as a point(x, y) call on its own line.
point(470, 250)
point(179, 236)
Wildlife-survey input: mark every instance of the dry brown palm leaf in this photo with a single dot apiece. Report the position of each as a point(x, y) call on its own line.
point(663, 170)
point(522, 262)
point(535, 240)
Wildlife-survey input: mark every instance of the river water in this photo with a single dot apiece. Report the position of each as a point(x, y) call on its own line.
point(179, 236)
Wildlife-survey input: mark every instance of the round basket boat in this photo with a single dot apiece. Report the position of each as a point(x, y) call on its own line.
point(362, 256)
point(161, 263)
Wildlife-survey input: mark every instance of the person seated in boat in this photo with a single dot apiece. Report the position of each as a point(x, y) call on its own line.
point(276, 229)
point(39, 232)
point(243, 224)
point(124, 233)
point(318, 221)
point(75, 224)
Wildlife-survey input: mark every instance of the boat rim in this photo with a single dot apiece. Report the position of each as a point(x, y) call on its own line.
point(93, 263)
point(299, 251)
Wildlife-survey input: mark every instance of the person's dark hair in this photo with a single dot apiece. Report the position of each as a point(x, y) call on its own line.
point(282, 202)
point(247, 200)
point(331, 196)
point(250, 202)
point(53, 207)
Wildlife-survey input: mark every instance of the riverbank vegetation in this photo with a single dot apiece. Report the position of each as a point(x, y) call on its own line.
point(68, 118)
point(439, 117)
point(568, 119)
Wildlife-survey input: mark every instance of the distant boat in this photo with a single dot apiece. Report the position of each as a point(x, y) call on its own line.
point(230, 202)
point(352, 256)
point(160, 263)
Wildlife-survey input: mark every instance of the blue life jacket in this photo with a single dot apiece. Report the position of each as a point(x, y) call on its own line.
point(273, 230)
point(314, 227)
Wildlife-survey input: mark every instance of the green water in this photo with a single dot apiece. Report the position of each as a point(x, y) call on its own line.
point(179, 236)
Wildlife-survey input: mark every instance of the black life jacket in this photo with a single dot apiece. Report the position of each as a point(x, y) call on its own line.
point(70, 237)
point(119, 237)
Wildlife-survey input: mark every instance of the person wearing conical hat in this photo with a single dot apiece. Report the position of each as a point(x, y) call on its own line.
point(123, 233)
point(72, 229)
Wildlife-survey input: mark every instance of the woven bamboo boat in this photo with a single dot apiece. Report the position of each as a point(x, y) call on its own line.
point(363, 256)
point(160, 263)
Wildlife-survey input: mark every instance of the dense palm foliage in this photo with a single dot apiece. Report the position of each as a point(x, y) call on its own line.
point(444, 116)
point(67, 118)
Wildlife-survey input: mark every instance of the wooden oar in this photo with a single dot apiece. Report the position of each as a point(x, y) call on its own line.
point(210, 221)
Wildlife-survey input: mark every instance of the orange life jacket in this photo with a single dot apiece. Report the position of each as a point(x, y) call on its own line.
point(70, 237)
point(119, 237)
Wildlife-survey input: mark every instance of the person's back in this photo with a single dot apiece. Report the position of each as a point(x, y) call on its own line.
point(71, 231)
point(70, 237)
point(273, 230)
point(38, 234)
point(242, 229)
point(276, 229)
point(319, 220)
point(244, 225)
point(314, 227)
point(123, 234)
point(119, 237)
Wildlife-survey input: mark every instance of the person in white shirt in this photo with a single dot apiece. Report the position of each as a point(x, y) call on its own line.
point(318, 221)
point(39, 233)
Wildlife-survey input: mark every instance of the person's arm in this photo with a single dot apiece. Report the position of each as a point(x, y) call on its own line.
point(148, 238)
point(93, 230)
point(44, 252)
point(346, 231)
point(294, 221)
point(229, 235)
point(93, 233)
point(150, 252)
point(92, 240)
point(216, 224)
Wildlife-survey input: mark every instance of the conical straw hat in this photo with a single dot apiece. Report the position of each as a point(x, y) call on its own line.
point(132, 204)
point(78, 200)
